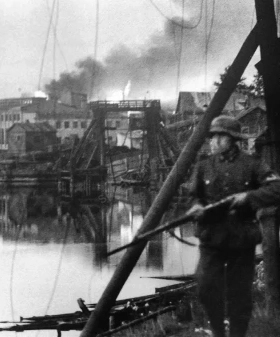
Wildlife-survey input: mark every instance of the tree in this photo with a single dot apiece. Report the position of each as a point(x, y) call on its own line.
point(258, 88)
point(241, 87)
point(255, 89)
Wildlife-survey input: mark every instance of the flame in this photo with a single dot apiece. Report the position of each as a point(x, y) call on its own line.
point(127, 89)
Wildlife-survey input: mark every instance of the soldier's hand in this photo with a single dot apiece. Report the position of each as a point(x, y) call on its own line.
point(196, 211)
point(238, 199)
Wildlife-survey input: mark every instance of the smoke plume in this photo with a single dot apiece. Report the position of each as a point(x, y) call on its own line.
point(175, 59)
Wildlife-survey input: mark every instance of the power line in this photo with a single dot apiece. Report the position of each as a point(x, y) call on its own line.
point(212, 23)
point(207, 39)
point(96, 29)
point(57, 41)
point(180, 51)
point(45, 46)
point(175, 22)
point(95, 44)
point(173, 33)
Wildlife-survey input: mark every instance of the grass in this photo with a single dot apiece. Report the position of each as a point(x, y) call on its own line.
point(176, 324)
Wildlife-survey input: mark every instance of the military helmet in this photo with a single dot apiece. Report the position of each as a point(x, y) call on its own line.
point(228, 125)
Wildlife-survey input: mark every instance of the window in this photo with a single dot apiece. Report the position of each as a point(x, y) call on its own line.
point(118, 124)
point(58, 124)
point(83, 124)
point(66, 125)
point(75, 125)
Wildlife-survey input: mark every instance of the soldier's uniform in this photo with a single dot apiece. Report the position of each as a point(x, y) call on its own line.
point(228, 237)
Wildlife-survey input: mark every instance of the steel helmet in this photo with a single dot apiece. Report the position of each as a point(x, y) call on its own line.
point(228, 125)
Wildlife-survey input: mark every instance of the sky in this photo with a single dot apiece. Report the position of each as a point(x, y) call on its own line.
point(139, 50)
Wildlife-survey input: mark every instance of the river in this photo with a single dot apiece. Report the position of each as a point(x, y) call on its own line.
point(53, 251)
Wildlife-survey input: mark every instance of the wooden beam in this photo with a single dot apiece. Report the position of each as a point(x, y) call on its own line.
point(171, 184)
point(270, 70)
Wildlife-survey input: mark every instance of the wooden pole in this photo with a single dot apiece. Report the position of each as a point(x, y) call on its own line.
point(171, 184)
point(270, 70)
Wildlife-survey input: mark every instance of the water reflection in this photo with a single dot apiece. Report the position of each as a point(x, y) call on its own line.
point(54, 250)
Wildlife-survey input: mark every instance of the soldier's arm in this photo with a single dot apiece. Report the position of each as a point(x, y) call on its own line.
point(268, 192)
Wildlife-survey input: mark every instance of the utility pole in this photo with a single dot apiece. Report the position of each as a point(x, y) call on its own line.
point(270, 70)
point(171, 184)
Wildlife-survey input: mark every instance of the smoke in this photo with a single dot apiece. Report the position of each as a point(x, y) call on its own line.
point(172, 59)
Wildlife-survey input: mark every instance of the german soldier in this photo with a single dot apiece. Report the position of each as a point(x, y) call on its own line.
point(228, 239)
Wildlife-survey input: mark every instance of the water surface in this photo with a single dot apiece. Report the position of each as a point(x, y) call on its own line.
point(53, 251)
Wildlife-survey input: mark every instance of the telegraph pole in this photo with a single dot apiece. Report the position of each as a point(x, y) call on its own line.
point(171, 184)
point(270, 71)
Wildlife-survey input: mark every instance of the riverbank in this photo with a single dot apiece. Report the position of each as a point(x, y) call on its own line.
point(169, 326)
point(178, 324)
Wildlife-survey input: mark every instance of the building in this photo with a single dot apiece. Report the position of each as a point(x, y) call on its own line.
point(254, 122)
point(124, 128)
point(12, 111)
point(69, 120)
point(190, 105)
point(27, 137)
point(70, 116)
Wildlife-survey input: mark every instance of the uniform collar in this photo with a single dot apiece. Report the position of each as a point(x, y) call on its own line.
point(230, 154)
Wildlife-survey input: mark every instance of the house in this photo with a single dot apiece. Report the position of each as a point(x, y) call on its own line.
point(69, 120)
point(12, 111)
point(190, 105)
point(254, 122)
point(27, 137)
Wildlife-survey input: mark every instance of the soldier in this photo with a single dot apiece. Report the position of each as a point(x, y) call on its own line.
point(228, 238)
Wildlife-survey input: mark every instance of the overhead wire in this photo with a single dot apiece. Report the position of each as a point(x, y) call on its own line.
point(46, 44)
point(95, 45)
point(211, 23)
point(180, 50)
point(57, 40)
point(173, 32)
point(207, 39)
point(184, 26)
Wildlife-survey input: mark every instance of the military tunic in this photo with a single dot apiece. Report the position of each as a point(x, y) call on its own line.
point(219, 176)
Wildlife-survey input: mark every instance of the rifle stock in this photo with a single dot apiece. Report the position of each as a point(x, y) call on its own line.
point(171, 224)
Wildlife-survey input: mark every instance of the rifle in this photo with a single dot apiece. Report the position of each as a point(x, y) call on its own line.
point(226, 202)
